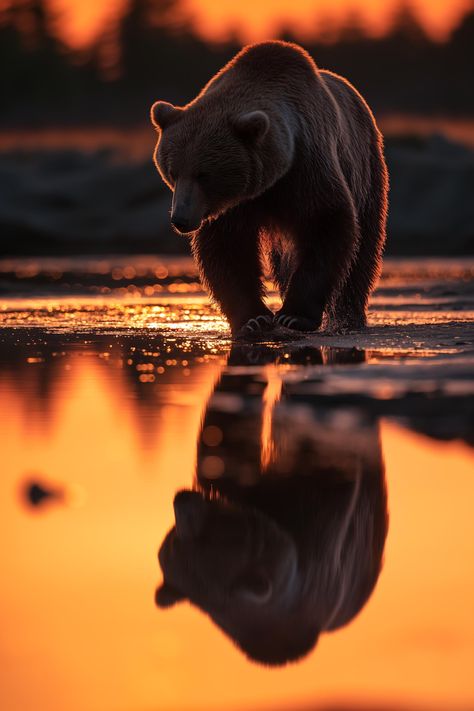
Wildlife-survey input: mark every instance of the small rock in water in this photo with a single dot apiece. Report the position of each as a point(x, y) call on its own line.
point(38, 493)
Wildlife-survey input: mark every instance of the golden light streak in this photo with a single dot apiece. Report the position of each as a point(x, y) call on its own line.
point(271, 396)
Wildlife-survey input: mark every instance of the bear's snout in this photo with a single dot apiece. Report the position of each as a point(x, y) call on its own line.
point(182, 225)
point(188, 208)
point(190, 511)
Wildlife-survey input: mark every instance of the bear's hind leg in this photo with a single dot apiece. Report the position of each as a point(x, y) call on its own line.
point(227, 253)
point(349, 310)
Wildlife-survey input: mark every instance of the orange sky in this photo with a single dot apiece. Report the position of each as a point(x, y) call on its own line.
point(80, 20)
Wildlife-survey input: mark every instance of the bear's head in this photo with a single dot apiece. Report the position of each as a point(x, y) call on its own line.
point(213, 158)
point(240, 567)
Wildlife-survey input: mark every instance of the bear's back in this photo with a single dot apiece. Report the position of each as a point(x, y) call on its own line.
point(273, 64)
point(350, 102)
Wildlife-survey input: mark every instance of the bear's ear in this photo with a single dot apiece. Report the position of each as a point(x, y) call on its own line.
point(252, 126)
point(167, 596)
point(163, 114)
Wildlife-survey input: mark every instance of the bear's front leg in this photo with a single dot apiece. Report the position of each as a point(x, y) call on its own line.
point(324, 252)
point(227, 253)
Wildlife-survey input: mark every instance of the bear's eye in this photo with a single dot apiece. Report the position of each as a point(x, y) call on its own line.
point(202, 176)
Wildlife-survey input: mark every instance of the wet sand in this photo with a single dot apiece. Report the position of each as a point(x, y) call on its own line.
point(422, 307)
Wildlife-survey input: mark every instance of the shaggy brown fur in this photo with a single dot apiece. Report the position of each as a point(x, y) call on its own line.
point(278, 157)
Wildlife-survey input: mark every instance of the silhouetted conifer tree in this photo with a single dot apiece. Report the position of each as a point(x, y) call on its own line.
point(152, 51)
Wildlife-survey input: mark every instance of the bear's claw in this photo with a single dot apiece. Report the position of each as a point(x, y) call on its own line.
point(295, 323)
point(284, 320)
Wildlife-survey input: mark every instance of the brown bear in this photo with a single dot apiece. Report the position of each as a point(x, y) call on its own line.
point(277, 159)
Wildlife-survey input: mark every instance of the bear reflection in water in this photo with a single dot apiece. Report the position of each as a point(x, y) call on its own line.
point(282, 538)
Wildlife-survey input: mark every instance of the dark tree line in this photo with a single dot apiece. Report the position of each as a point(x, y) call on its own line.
point(148, 53)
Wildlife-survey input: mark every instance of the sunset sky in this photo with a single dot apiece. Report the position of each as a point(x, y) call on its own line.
point(81, 20)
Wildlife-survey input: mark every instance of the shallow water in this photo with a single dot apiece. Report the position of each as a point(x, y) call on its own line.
point(120, 386)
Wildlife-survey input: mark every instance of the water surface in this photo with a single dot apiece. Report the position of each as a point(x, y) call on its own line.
point(120, 386)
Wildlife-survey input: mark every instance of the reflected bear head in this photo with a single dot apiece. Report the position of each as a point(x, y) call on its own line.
point(240, 567)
